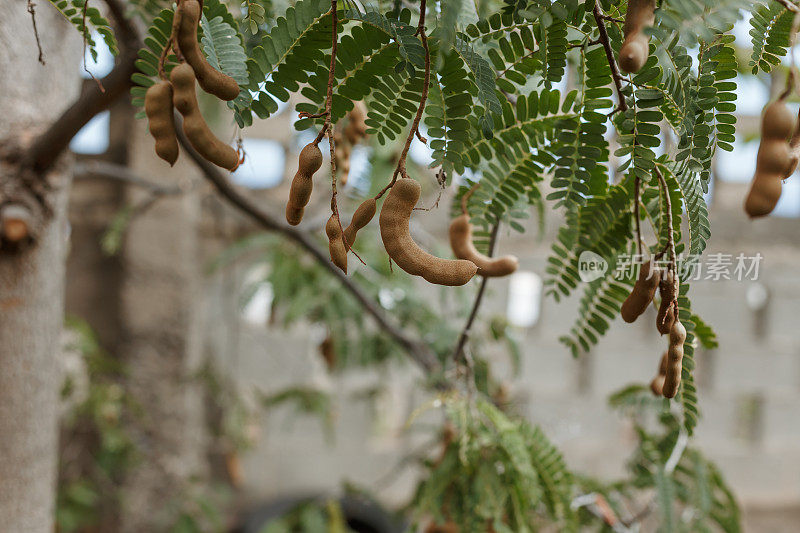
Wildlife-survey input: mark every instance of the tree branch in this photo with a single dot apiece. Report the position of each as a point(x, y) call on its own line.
point(612, 63)
point(465, 333)
point(104, 169)
point(419, 352)
point(45, 150)
point(789, 5)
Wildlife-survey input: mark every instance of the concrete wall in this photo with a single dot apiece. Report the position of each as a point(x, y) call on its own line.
point(749, 387)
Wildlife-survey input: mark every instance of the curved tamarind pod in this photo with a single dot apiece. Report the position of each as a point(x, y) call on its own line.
point(464, 248)
point(776, 159)
point(672, 377)
point(635, 49)
point(194, 126)
point(642, 294)
point(336, 245)
point(396, 236)
point(210, 79)
point(362, 216)
point(302, 184)
point(666, 311)
point(161, 120)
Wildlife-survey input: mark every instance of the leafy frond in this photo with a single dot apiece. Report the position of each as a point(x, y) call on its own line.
point(581, 147)
point(771, 27)
point(603, 227)
point(84, 21)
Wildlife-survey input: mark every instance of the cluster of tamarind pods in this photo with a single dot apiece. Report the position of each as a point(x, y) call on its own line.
point(651, 278)
point(178, 92)
point(394, 222)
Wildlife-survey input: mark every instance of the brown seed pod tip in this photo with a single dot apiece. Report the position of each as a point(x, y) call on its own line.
point(310, 159)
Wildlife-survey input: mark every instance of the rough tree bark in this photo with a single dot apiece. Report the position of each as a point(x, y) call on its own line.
point(31, 276)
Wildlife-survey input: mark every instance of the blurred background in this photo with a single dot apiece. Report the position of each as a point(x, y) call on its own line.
point(173, 295)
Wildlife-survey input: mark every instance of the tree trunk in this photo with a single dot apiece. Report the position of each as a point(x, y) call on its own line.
point(32, 276)
point(161, 345)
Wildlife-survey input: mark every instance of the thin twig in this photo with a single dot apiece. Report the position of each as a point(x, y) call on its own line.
point(458, 353)
point(104, 169)
point(85, 34)
point(419, 352)
point(32, 11)
point(636, 197)
point(670, 240)
point(400, 169)
point(612, 63)
point(789, 5)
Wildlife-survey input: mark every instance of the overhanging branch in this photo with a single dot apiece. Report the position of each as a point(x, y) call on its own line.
point(45, 150)
point(418, 351)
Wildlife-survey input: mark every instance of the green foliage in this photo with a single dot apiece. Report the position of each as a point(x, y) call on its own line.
point(771, 27)
point(310, 517)
point(85, 18)
point(496, 471)
point(97, 404)
point(690, 492)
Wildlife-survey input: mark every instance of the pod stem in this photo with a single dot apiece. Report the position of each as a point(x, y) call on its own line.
point(400, 169)
point(465, 198)
point(458, 353)
point(670, 237)
point(636, 197)
point(599, 18)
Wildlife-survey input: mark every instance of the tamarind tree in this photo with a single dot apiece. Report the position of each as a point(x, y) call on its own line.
point(608, 111)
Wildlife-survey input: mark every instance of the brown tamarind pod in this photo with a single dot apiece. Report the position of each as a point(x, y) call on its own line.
point(210, 79)
point(657, 384)
point(776, 159)
point(362, 216)
point(464, 248)
point(794, 150)
point(161, 120)
point(336, 245)
point(666, 311)
point(672, 377)
point(396, 235)
point(356, 128)
point(642, 293)
point(310, 161)
point(194, 126)
point(635, 48)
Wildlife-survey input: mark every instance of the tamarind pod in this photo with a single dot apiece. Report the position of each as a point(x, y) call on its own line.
point(776, 160)
point(763, 196)
point(310, 161)
point(636, 46)
point(336, 245)
point(194, 126)
point(161, 120)
point(356, 128)
point(777, 122)
point(657, 384)
point(794, 150)
point(210, 79)
point(672, 378)
point(464, 248)
point(666, 311)
point(362, 216)
point(395, 233)
point(642, 293)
